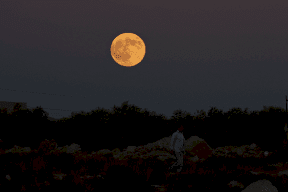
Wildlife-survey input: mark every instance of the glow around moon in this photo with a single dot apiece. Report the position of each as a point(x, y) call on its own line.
point(128, 49)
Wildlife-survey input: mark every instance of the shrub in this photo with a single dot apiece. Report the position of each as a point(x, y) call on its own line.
point(47, 146)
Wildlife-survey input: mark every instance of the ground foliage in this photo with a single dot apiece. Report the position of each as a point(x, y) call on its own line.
point(129, 125)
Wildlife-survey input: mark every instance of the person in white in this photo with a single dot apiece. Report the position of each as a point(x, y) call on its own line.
point(177, 145)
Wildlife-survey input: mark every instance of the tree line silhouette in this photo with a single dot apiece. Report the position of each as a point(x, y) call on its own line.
point(129, 125)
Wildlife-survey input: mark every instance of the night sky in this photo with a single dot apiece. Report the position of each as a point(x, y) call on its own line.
point(56, 54)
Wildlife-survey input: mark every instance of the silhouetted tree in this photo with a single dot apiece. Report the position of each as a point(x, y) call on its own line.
point(17, 107)
point(39, 112)
point(4, 116)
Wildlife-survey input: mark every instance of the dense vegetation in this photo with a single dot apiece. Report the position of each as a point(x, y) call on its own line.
point(129, 125)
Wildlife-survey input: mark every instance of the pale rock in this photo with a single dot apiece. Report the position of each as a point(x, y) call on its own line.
point(131, 149)
point(240, 150)
point(283, 173)
point(103, 152)
point(59, 176)
point(235, 184)
point(116, 151)
point(163, 143)
point(18, 149)
point(243, 151)
point(253, 146)
point(220, 151)
point(194, 146)
point(198, 146)
point(67, 149)
point(260, 186)
point(8, 177)
point(100, 177)
point(73, 148)
point(194, 159)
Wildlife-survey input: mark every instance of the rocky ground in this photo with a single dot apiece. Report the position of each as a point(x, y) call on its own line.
point(228, 168)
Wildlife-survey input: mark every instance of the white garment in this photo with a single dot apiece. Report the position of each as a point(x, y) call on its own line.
point(179, 141)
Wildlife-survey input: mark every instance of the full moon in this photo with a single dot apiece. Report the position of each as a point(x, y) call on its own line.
point(128, 49)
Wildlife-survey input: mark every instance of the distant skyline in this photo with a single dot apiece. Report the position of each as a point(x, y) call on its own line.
point(58, 115)
point(199, 55)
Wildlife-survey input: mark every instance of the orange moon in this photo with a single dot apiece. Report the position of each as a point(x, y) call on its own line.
point(128, 49)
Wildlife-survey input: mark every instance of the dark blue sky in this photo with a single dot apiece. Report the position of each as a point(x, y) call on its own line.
point(213, 53)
